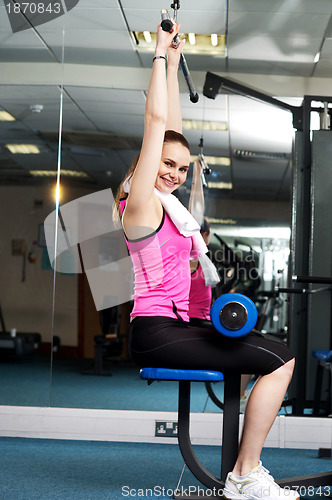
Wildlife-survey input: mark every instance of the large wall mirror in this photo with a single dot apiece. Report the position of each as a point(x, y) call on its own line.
point(72, 97)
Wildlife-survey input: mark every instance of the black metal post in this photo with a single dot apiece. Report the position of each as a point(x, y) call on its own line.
point(230, 432)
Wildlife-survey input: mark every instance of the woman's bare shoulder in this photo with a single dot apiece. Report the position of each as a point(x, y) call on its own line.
point(143, 218)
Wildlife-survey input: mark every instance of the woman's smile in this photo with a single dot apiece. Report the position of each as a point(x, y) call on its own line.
point(168, 182)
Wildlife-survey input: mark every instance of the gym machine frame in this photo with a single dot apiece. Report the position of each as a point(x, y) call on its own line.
point(301, 122)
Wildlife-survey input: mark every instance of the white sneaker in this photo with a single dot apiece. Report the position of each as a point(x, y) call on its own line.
point(257, 484)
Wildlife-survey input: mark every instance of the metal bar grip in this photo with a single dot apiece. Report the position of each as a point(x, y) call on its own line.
point(312, 279)
point(192, 92)
point(289, 290)
point(167, 25)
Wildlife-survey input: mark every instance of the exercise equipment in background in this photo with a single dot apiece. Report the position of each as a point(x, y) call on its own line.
point(15, 344)
point(108, 347)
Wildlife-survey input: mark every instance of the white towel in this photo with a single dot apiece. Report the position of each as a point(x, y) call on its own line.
point(196, 204)
point(188, 227)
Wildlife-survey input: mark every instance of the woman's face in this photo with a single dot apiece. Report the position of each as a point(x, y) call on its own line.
point(174, 165)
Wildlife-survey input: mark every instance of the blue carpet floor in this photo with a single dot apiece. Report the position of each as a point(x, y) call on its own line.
point(28, 384)
point(38, 469)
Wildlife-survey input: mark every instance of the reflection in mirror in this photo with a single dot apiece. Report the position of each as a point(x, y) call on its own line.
point(247, 145)
point(102, 131)
point(29, 104)
point(26, 295)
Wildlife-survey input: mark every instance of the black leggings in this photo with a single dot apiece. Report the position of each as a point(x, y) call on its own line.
point(172, 343)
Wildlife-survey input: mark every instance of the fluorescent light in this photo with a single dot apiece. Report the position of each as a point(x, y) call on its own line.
point(214, 160)
point(201, 45)
point(218, 160)
point(53, 173)
point(214, 39)
point(192, 39)
point(317, 57)
point(220, 185)
point(259, 155)
point(230, 222)
point(6, 117)
point(147, 36)
point(57, 193)
point(206, 125)
point(23, 149)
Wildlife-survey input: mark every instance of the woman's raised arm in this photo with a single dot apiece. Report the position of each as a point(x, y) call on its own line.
point(141, 195)
point(174, 115)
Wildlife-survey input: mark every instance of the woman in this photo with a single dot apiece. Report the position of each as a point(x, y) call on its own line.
point(160, 249)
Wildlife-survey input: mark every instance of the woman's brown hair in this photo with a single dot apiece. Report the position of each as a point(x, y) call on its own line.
point(170, 136)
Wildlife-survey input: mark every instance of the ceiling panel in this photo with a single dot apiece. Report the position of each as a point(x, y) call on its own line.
point(323, 70)
point(121, 125)
point(100, 57)
point(214, 21)
point(271, 67)
point(29, 94)
point(276, 24)
point(215, 143)
point(185, 5)
point(115, 96)
point(90, 39)
point(24, 39)
point(107, 109)
point(87, 19)
point(195, 62)
point(259, 47)
point(98, 4)
point(38, 55)
point(4, 21)
point(288, 6)
point(326, 52)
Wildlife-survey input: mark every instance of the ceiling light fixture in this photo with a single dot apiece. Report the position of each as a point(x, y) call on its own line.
point(220, 185)
point(259, 155)
point(317, 57)
point(222, 221)
point(147, 36)
point(6, 117)
point(214, 39)
point(202, 45)
point(192, 39)
point(214, 160)
point(206, 125)
point(53, 173)
point(23, 149)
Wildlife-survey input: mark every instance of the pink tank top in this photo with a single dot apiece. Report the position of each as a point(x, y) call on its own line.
point(200, 296)
point(162, 271)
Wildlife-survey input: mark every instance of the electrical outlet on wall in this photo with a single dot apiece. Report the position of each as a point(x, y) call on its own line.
point(166, 429)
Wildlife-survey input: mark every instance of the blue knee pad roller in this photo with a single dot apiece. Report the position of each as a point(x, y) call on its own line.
point(233, 315)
